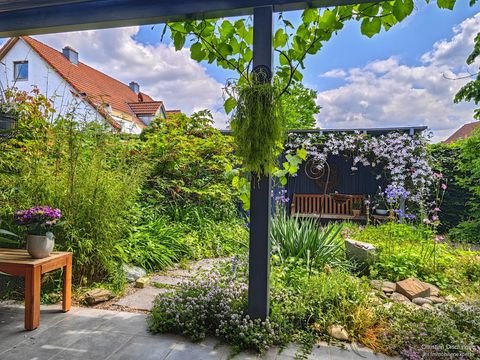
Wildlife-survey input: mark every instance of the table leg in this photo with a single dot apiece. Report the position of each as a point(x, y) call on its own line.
point(67, 285)
point(33, 277)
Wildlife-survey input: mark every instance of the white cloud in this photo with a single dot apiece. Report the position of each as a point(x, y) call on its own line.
point(388, 93)
point(162, 72)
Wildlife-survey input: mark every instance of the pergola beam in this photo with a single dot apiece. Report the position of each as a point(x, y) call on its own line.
point(28, 17)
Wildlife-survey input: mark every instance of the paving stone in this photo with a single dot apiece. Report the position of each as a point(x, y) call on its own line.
point(335, 353)
point(142, 299)
point(412, 288)
point(94, 334)
point(181, 273)
point(94, 346)
point(319, 351)
point(189, 351)
point(146, 348)
point(126, 323)
point(290, 350)
point(168, 280)
point(207, 264)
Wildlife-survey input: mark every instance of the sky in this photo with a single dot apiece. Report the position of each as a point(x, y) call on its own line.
point(402, 77)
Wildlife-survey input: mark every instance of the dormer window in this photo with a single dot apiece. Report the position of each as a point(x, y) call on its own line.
point(20, 70)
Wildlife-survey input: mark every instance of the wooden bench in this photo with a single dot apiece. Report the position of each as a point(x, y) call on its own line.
point(19, 263)
point(335, 206)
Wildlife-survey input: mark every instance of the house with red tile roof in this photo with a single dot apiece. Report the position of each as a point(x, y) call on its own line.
point(76, 87)
point(464, 132)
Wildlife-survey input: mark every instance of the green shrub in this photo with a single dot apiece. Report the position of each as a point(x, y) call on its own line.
point(149, 201)
point(409, 251)
point(321, 298)
point(304, 239)
point(87, 172)
point(153, 245)
point(466, 232)
point(445, 158)
point(449, 332)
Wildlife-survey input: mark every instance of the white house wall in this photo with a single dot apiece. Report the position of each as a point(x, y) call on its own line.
point(51, 84)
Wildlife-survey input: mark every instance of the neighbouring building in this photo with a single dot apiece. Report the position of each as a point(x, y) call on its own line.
point(464, 132)
point(61, 76)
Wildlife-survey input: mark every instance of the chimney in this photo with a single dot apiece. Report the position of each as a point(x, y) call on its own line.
point(71, 54)
point(134, 87)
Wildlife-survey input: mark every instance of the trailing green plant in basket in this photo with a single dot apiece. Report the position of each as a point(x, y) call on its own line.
point(258, 126)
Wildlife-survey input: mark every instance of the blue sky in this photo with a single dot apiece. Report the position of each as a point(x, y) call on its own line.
point(408, 40)
point(397, 78)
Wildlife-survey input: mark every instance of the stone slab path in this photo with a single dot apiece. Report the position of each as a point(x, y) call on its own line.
point(142, 299)
point(94, 334)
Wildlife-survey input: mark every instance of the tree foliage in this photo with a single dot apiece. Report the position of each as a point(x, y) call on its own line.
point(228, 43)
point(471, 91)
point(299, 107)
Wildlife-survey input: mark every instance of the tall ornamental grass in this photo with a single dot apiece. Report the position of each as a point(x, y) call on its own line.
point(305, 239)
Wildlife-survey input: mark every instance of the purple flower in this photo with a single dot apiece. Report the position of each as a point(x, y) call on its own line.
point(37, 216)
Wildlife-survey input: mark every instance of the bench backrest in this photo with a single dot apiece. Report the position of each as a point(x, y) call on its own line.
point(324, 204)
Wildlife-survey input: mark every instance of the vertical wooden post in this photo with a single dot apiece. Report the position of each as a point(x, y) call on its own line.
point(260, 193)
point(33, 279)
point(67, 284)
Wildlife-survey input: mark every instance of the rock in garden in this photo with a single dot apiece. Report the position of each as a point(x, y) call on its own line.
point(385, 286)
point(360, 252)
point(132, 273)
point(436, 299)
point(427, 306)
point(338, 332)
point(412, 288)
point(388, 287)
point(434, 291)
point(421, 301)
point(97, 296)
point(399, 298)
point(376, 284)
point(142, 282)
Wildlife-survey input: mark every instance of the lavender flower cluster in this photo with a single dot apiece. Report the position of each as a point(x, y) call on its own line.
point(395, 193)
point(282, 197)
point(212, 306)
point(43, 216)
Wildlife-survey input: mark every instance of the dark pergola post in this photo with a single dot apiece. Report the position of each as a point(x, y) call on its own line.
point(260, 193)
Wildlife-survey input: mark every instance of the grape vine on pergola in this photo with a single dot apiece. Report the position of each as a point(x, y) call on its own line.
point(29, 17)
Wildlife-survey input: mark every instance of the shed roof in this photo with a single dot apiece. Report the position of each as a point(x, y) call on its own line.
point(372, 131)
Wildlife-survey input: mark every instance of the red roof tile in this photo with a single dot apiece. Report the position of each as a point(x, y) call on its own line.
point(464, 132)
point(96, 87)
point(146, 107)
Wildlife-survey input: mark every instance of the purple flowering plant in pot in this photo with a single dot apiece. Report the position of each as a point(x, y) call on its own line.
point(40, 221)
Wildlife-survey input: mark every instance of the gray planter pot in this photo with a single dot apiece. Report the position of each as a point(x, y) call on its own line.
point(40, 246)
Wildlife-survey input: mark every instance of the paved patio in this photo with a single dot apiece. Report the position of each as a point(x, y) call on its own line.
point(93, 334)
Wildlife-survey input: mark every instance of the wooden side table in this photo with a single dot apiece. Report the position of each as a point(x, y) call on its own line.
point(19, 263)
